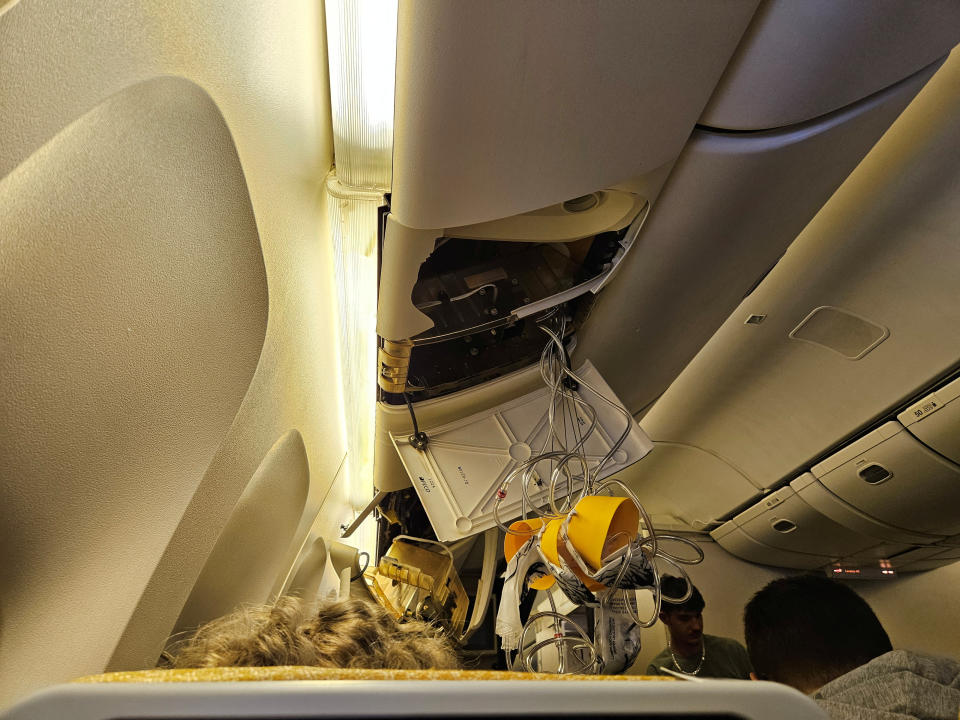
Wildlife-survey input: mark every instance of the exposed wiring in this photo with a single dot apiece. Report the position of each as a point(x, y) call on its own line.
point(574, 642)
point(464, 296)
point(413, 415)
point(562, 473)
point(366, 564)
point(564, 469)
point(419, 439)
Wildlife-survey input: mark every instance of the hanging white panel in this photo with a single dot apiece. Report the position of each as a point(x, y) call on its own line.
point(458, 474)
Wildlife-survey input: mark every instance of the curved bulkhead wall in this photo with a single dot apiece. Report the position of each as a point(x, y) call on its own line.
point(800, 60)
point(161, 168)
point(883, 249)
point(258, 540)
point(506, 107)
point(730, 208)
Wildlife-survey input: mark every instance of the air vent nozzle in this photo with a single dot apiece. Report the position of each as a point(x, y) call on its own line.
point(783, 526)
point(874, 474)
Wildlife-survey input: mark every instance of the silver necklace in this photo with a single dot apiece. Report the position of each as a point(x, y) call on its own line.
point(696, 670)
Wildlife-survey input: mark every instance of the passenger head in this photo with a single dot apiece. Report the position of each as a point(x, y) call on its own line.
point(346, 634)
point(684, 620)
point(805, 631)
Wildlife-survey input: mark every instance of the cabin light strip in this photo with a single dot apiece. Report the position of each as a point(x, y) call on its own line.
point(361, 51)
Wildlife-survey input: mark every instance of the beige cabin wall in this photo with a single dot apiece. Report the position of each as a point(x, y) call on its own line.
point(102, 554)
point(919, 610)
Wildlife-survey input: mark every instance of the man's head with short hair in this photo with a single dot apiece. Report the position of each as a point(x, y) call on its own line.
point(684, 620)
point(808, 630)
point(674, 587)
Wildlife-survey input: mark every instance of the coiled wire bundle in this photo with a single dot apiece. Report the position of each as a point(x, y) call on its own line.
point(629, 561)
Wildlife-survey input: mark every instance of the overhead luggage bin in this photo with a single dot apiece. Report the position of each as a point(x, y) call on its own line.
point(890, 476)
point(928, 564)
point(503, 108)
point(952, 541)
point(801, 60)
point(784, 530)
point(732, 538)
point(935, 420)
point(783, 520)
point(951, 554)
point(816, 495)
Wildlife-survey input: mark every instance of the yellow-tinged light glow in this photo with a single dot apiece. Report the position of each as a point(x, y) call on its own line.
point(362, 51)
point(361, 48)
point(353, 220)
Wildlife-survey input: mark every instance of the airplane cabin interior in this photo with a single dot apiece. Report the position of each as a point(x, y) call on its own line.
point(490, 313)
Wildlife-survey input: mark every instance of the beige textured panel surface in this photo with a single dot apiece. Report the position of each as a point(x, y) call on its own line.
point(731, 206)
point(801, 60)
point(258, 61)
point(389, 474)
point(256, 543)
point(135, 307)
point(263, 65)
point(505, 107)
point(885, 248)
point(705, 481)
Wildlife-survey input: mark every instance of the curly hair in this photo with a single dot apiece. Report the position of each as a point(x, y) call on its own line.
point(346, 634)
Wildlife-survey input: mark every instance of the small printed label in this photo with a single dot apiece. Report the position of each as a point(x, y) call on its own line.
point(463, 475)
point(925, 408)
point(427, 484)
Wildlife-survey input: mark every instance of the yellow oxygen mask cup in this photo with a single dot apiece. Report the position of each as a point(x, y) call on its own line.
point(598, 526)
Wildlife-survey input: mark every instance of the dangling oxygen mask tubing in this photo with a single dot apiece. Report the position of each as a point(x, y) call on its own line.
point(598, 561)
point(575, 644)
point(600, 549)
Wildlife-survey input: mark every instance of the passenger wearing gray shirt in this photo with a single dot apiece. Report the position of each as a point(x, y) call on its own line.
point(819, 636)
